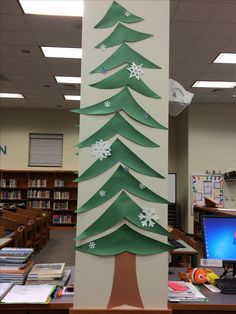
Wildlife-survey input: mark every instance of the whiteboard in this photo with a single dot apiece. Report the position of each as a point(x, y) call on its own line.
point(172, 187)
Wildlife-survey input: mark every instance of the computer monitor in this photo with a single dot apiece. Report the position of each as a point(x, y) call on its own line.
point(219, 238)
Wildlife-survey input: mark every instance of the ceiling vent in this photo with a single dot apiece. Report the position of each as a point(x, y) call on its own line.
point(3, 78)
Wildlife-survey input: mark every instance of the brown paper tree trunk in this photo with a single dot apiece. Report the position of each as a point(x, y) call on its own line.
point(125, 286)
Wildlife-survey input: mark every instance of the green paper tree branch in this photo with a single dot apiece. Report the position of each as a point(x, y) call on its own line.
point(121, 79)
point(121, 180)
point(122, 101)
point(122, 240)
point(123, 208)
point(116, 13)
point(122, 34)
point(124, 54)
point(118, 125)
point(119, 153)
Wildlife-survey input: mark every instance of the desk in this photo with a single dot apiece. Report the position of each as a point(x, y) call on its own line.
point(218, 303)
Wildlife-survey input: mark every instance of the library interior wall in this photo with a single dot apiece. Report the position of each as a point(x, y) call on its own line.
point(17, 124)
point(202, 137)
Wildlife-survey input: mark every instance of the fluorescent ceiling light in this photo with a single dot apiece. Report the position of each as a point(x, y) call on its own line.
point(68, 79)
point(72, 97)
point(11, 95)
point(225, 58)
point(61, 52)
point(214, 84)
point(52, 7)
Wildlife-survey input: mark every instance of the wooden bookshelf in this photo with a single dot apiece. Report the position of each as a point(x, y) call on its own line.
point(48, 190)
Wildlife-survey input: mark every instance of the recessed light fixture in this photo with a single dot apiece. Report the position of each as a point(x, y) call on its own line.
point(61, 52)
point(225, 57)
point(68, 79)
point(214, 84)
point(72, 97)
point(11, 95)
point(52, 7)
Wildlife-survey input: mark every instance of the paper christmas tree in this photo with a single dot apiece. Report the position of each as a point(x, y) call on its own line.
point(124, 217)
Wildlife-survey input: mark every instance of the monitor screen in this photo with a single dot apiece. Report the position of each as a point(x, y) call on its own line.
point(219, 237)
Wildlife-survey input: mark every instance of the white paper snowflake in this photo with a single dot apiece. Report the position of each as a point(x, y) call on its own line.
point(135, 70)
point(92, 245)
point(148, 217)
point(107, 103)
point(142, 186)
point(127, 13)
point(102, 193)
point(101, 150)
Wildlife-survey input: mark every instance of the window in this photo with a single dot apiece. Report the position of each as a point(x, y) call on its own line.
point(45, 150)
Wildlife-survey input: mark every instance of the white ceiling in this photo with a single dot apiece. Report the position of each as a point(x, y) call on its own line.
point(199, 31)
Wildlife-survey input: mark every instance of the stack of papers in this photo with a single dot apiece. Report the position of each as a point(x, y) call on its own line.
point(15, 274)
point(5, 288)
point(185, 292)
point(15, 264)
point(58, 282)
point(29, 294)
point(50, 271)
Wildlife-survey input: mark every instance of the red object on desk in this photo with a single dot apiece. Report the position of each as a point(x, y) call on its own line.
point(177, 286)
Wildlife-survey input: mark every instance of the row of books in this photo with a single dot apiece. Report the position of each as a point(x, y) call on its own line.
point(9, 183)
point(9, 195)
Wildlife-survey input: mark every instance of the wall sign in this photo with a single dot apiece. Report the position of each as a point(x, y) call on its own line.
point(3, 150)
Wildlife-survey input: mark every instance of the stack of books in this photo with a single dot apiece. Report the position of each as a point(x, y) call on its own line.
point(184, 292)
point(15, 264)
point(44, 273)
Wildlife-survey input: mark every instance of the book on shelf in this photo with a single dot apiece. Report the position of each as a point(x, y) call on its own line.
point(184, 292)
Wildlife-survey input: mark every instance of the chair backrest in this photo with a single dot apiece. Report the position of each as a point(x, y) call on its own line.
point(21, 219)
point(29, 213)
point(37, 211)
point(8, 223)
point(2, 231)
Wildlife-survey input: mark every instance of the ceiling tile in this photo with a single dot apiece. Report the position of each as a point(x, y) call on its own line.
point(10, 7)
point(206, 45)
point(51, 39)
point(225, 13)
point(186, 29)
point(13, 23)
point(182, 44)
point(45, 23)
point(219, 31)
point(17, 38)
point(195, 11)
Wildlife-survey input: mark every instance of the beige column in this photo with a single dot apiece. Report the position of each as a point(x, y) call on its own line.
point(94, 275)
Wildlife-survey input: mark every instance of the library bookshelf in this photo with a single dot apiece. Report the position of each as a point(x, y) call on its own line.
point(53, 191)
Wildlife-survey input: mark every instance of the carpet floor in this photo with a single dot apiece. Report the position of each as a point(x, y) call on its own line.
point(60, 247)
